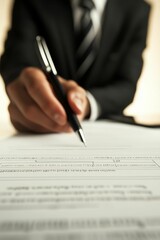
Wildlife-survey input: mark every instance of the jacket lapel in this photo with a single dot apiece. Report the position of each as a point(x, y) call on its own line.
point(111, 26)
point(64, 21)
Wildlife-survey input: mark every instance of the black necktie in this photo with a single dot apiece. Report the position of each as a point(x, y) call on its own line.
point(86, 50)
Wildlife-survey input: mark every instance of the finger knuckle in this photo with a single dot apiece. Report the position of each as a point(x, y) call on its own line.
point(29, 112)
point(27, 72)
point(16, 125)
point(29, 76)
point(48, 106)
point(10, 108)
point(12, 88)
point(72, 83)
point(34, 86)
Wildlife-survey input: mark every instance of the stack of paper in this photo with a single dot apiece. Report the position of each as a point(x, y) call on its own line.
point(54, 188)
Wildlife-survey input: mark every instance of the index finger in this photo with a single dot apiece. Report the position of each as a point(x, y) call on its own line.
point(40, 90)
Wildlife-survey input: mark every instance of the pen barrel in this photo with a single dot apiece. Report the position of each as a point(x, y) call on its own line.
point(61, 96)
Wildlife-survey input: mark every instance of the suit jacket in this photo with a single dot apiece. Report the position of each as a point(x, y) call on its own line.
point(114, 76)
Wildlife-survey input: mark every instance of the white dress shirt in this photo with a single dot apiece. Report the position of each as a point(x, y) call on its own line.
point(96, 16)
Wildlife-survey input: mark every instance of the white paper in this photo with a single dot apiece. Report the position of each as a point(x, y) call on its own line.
point(52, 187)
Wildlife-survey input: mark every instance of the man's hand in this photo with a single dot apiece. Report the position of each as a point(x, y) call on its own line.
point(34, 106)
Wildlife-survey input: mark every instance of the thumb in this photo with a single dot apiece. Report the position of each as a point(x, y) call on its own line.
point(76, 101)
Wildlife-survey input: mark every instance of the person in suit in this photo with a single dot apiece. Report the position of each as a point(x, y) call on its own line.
point(96, 46)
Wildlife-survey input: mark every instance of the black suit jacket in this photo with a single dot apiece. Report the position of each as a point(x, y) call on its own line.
point(114, 75)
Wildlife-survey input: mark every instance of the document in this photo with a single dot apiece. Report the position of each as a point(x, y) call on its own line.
point(54, 188)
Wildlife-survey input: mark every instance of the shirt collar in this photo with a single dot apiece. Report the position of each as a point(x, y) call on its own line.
point(99, 4)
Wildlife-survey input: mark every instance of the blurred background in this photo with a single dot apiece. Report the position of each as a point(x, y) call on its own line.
point(147, 98)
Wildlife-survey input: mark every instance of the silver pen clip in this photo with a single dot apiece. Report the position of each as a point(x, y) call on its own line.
point(45, 55)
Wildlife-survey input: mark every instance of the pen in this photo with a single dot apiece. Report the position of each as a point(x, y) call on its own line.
point(51, 74)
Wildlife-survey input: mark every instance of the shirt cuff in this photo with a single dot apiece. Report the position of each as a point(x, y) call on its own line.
point(94, 107)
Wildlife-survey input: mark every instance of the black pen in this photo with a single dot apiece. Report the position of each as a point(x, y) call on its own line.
point(51, 74)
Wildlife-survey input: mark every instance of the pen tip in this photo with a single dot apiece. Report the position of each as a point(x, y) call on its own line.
point(85, 144)
point(81, 135)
